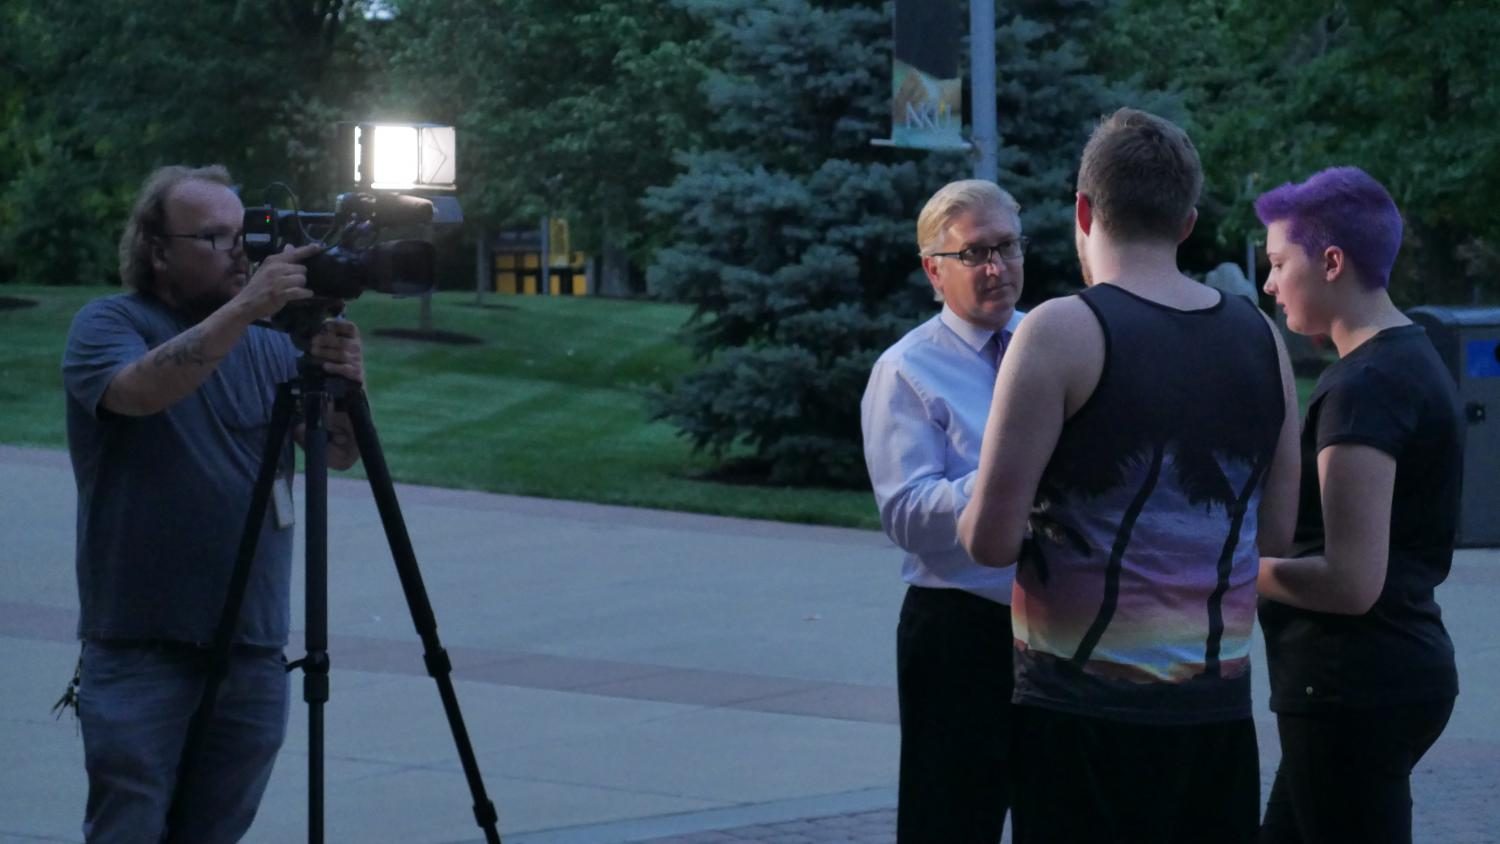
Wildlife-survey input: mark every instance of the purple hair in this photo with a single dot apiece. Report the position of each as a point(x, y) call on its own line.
point(1344, 207)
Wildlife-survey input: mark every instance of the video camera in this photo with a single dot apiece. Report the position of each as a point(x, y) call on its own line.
point(354, 258)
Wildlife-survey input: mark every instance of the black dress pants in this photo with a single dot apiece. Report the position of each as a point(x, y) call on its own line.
point(1345, 776)
point(953, 676)
point(1084, 780)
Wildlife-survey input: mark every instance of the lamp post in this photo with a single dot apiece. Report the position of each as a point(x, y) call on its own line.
point(412, 158)
point(982, 88)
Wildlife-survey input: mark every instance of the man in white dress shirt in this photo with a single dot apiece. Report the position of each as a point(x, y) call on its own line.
point(923, 416)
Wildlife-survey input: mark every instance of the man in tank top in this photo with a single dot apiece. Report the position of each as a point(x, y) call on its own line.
point(1140, 456)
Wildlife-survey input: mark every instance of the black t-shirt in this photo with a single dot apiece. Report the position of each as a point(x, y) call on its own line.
point(1392, 393)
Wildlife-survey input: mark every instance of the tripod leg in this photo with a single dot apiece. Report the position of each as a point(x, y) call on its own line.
point(439, 667)
point(315, 665)
point(229, 617)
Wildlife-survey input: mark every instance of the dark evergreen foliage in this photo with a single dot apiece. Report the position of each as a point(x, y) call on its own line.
point(795, 238)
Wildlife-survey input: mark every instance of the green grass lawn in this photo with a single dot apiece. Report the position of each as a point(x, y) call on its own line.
point(550, 403)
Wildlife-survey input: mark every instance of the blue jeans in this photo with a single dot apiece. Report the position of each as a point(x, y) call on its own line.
point(134, 705)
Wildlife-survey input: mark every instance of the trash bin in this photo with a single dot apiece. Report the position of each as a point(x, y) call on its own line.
point(1468, 341)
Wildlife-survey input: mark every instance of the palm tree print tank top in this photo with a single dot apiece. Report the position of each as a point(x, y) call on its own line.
point(1135, 595)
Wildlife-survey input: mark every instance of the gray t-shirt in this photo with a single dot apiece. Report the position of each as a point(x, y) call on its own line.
point(162, 499)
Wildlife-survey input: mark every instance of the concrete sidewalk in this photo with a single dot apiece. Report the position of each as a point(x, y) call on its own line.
point(626, 675)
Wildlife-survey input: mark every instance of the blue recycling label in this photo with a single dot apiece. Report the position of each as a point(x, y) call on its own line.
point(1482, 358)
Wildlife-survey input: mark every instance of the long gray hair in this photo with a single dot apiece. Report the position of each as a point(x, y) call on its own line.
point(149, 216)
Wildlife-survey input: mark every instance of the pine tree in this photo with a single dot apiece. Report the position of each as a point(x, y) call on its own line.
point(795, 238)
point(1050, 94)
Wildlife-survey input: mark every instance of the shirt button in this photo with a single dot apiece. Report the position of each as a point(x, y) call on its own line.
point(1309, 689)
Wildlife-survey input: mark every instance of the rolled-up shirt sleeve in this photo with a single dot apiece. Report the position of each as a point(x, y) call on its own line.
point(906, 452)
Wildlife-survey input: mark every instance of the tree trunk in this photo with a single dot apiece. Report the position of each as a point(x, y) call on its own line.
point(1116, 559)
point(614, 270)
point(1215, 641)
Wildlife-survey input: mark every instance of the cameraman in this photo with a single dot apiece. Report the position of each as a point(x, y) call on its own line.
point(169, 395)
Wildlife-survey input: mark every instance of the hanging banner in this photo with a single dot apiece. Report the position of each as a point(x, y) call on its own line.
point(926, 89)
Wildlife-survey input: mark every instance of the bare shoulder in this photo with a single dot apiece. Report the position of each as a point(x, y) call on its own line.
point(1060, 311)
point(1064, 324)
point(1059, 349)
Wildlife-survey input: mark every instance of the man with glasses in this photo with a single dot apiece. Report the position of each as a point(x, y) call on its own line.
point(169, 394)
point(923, 416)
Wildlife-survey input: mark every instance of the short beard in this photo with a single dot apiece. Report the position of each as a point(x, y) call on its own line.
point(1083, 259)
point(198, 308)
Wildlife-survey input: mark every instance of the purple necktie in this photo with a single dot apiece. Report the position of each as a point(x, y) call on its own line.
point(1001, 339)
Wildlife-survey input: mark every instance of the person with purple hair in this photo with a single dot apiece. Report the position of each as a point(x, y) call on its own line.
point(1362, 671)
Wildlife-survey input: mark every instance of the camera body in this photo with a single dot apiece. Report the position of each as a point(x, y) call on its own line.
point(356, 259)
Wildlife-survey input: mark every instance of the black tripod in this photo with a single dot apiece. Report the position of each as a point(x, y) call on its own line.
point(315, 388)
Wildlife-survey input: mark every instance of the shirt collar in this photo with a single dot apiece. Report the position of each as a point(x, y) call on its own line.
point(973, 335)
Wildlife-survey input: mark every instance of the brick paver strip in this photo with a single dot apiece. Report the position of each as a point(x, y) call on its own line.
point(599, 677)
point(1456, 792)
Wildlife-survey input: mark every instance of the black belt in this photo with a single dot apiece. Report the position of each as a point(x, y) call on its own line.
point(180, 647)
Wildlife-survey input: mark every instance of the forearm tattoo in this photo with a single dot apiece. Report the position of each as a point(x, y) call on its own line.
point(186, 349)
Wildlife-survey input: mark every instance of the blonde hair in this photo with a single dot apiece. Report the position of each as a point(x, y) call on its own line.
point(149, 215)
point(955, 199)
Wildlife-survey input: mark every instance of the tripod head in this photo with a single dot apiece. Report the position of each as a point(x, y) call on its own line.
point(312, 378)
point(302, 319)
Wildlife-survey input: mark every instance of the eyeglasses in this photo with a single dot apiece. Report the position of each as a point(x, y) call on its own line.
point(978, 256)
point(218, 241)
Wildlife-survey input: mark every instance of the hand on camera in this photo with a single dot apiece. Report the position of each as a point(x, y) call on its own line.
point(337, 346)
point(278, 280)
